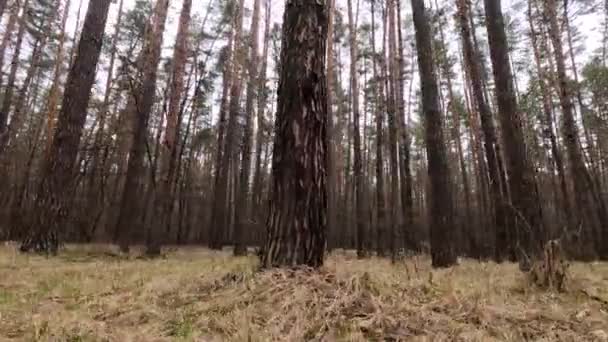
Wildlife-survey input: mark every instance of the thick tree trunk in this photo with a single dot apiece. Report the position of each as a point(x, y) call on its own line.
point(57, 185)
point(441, 213)
point(298, 203)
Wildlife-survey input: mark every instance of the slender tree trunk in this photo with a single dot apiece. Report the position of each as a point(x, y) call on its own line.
point(243, 195)
point(379, 112)
point(405, 174)
point(220, 214)
point(143, 100)
point(357, 162)
point(491, 147)
point(525, 201)
point(12, 76)
point(441, 214)
point(549, 120)
point(332, 179)
point(392, 130)
point(8, 34)
point(261, 137)
point(590, 213)
point(54, 92)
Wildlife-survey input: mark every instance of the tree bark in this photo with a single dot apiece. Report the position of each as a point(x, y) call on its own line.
point(491, 147)
point(357, 162)
point(298, 203)
point(590, 213)
point(142, 102)
point(525, 202)
point(243, 198)
point(57, 185)
point(220, 223)
point(165, 196)
point(441, 213)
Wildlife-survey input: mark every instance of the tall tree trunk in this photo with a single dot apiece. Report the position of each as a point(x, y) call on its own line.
point(141, 106)
point(525, 201)
point(405, 174)
point(298, 201)
point(590, 213)
point(357, 162)
point(57, 184)
point(164, 197)
point(54, 92)
point(379, 112)
point(220, 213)
point(392, 128)
point(243, 198)
point(465, 232)
point(549, 128)
point(332, 179)
point(491, 147)
point(261, 122)
point(441, 213)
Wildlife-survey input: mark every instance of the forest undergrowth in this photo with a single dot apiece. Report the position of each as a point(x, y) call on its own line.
point(91, 293)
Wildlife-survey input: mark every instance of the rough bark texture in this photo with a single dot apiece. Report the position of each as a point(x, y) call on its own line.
point(441, 215)
point(298, 202)
point(53, 196)
point(525, 202)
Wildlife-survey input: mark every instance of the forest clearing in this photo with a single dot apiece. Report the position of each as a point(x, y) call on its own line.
point(193, 294)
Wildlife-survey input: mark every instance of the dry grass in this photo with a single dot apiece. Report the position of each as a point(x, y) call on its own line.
point(196, 295)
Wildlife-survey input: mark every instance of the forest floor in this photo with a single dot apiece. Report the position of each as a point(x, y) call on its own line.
point(90, 294)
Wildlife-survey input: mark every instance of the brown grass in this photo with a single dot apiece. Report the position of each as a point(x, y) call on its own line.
point(88, 294)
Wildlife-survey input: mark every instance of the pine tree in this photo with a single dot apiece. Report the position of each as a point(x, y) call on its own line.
point(298, 202)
